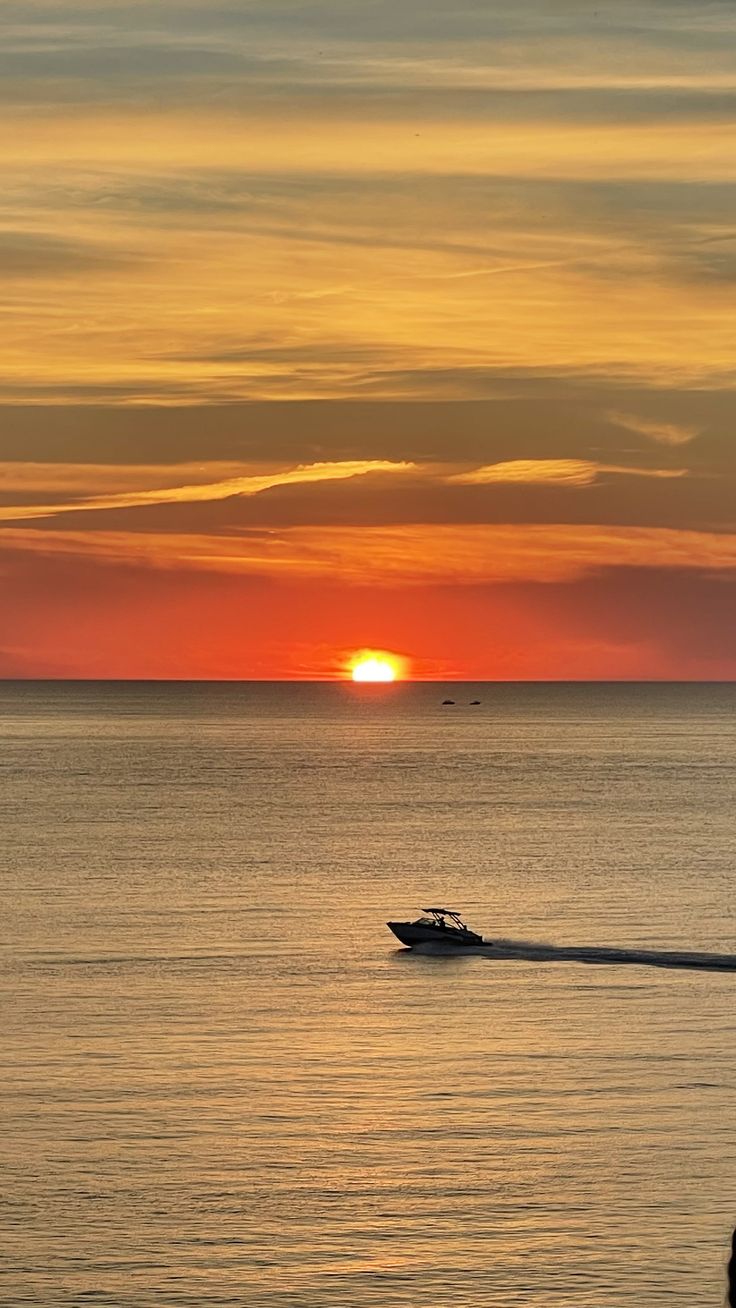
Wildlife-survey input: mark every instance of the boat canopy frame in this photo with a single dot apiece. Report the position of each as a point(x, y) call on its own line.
point(446, 912)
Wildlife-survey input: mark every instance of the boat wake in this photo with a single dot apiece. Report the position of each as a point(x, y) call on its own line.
point(528, 951)
point(532, 951)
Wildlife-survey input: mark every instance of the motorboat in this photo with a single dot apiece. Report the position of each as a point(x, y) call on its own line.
point(439, 926)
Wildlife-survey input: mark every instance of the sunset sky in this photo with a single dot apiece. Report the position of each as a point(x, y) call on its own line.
point(343, 324)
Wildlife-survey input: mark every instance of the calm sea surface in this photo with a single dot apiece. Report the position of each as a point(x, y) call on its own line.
point(223, 1082)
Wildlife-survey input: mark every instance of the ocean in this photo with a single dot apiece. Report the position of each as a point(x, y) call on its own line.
point(225, 1083)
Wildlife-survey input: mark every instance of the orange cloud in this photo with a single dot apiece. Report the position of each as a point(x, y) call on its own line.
point(198, 492)
point(94, 479)
point(100, 487)
point(404, 555)
point(556, 472)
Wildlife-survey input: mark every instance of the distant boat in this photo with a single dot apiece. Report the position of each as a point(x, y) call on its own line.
point(448, 701)
point(475, 701)
point(435, 929)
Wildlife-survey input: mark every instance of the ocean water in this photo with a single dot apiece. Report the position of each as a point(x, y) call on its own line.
point(223, 1081)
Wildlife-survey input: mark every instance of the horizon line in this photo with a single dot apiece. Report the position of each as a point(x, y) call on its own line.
point(383, 686)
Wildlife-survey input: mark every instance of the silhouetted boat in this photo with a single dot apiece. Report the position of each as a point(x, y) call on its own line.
point(442, 925)
point(448, 701)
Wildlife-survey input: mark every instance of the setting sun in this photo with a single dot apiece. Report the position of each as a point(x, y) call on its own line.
point(374, 670)
point(374, 665)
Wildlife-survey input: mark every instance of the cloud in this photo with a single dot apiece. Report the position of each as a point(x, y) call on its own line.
point(645, 33)
point(401, 556)
point(557, 472)
point(203, 491)
point(526, 415)
point(284, 143)
point(593, 278)
point(41, 254)
point(95, 479)
point(664, 433)
point(225, 498)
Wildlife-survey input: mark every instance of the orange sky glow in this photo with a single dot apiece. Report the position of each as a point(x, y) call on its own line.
point(339, 328)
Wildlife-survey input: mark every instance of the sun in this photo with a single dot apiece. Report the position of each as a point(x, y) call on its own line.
point(373, 670)
point(375, 665)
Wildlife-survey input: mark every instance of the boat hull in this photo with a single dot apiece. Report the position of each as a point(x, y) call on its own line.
point(414, 933)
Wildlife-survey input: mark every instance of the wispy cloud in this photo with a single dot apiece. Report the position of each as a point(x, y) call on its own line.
point(202, 491)
point(554, 472)
point(664, 433)
point(398, 556)
point(283, 143)
point(103, 479)
point(45, 490)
